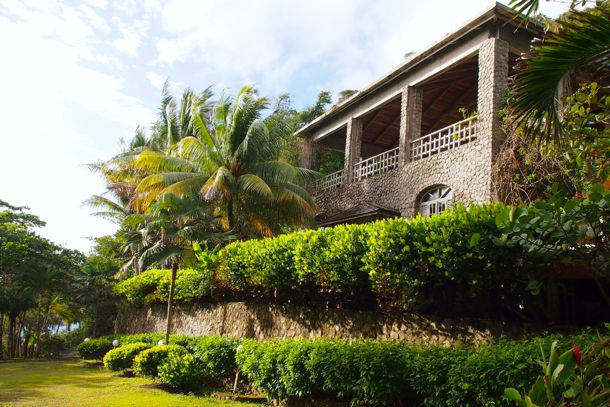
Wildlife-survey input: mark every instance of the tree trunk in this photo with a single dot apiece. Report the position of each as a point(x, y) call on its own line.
point(170, 299)
point(230, 220)
point(38, 327)
point(1, 336)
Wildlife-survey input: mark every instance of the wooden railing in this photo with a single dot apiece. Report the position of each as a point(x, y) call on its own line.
point(331, 181)
point(378, 164)
point(444, 139)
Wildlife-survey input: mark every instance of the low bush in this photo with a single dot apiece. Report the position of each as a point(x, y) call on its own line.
point(184, 372)
point(122, 357)
point(217, 353)
point(94, 348)
point(147, 362)
point(363, 372)
point(389, 373)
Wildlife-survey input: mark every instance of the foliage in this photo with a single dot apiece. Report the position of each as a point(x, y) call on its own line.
point(450, 257)
point(381, 372)
point(581, 42)
point(122, 357)
point(183, 372)
point(153, 286)
point(570, 228)
point(217, 354)
point(231, 159)
point(571, 378)
point(147, 362)
point(94, 348)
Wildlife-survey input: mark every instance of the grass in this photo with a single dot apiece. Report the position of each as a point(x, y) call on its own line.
point(76, 383)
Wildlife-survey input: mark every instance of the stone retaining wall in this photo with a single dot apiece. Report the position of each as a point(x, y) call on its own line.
point(261, 321)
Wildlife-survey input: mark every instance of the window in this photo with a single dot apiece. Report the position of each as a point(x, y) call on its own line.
point(435, 200)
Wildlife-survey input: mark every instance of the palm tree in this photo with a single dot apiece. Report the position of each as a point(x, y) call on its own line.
point(169, 229)
point(581, 43)
point(231, 159)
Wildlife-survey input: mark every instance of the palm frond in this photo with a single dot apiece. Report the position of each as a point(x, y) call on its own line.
point(584, 40)
point(250, 183)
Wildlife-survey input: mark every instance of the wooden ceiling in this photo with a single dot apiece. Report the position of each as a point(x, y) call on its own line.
point(446, 93)
point(382, 126)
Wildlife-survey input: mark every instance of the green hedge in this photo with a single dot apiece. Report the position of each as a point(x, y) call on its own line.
point(153, 286)
point(362, 372)
point(121, 358)
point(445, 262)
point(148, 361)
point(94, 348)
point(388, 373)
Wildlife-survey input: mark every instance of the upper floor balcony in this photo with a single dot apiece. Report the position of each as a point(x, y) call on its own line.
point(446, 138)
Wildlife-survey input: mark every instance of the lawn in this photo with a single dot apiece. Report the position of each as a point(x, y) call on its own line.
point(76, 383)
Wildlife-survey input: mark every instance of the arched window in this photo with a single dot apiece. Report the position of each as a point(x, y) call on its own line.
point(435, 200)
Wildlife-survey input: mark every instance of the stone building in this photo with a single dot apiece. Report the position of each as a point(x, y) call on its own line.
point(408, 145)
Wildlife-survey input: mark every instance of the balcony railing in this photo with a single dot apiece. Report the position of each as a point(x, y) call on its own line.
point(378, 164)
point(331, 181)
point(444, 139)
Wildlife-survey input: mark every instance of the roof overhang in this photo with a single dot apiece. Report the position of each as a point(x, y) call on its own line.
point(497, 12)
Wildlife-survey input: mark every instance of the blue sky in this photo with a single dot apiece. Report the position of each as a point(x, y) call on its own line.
point(77, 76)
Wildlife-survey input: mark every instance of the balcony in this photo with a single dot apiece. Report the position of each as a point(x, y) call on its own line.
point(378, 164)
point(446, 138)
point(443, 139)
point(331, 181)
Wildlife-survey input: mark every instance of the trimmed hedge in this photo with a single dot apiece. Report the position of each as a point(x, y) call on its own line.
point(94, 348)
point(362, 372)
point(447, 262)
point(122, 357)
point(148, 361)
point(388, 373)
point(153, 286)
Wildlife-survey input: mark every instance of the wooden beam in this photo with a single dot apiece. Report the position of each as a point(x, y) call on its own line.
point(439, 97)
point(452, 106)
point(374, 116)
point(382, 132)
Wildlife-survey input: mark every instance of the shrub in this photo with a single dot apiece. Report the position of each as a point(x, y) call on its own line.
point(217, 354)
point(122, 357)
point(153, 286)
point(148, 361)
point(94, 348)
point(183, 372)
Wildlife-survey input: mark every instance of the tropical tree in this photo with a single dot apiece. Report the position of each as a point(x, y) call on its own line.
point(169, 229)
point(579, 45)
point(232, 159)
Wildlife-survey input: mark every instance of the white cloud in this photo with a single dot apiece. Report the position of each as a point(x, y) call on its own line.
point(131, 36)
point(355, 41)
point(51, 103)
point(155, 79)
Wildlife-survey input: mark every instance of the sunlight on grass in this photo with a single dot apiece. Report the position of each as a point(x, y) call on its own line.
point(75, 383)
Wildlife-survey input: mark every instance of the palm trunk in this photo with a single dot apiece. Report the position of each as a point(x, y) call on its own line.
point(170, 300)
point(1, 336)
point(230, 220)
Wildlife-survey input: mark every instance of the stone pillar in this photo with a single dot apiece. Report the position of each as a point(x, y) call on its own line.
point(308, 153)
point(410, 120)
point(353, 147)
point(493, 78)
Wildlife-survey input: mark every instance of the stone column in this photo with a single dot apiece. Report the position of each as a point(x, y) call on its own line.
point(410, 120)
point(493, 77)
point(353, 147)
point(308, 153)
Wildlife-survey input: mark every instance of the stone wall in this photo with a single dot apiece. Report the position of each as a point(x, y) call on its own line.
point(465, 169)
point(261, 321)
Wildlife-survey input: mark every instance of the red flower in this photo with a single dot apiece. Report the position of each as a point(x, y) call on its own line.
point(577, 356)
